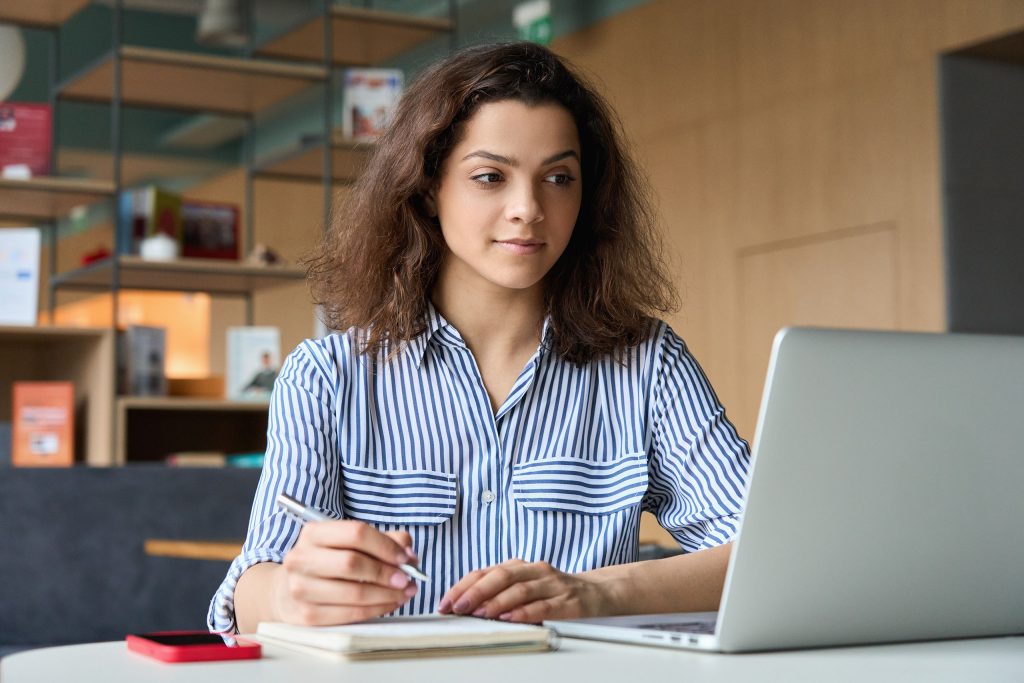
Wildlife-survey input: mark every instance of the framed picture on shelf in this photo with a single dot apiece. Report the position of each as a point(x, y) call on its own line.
point(209, 230)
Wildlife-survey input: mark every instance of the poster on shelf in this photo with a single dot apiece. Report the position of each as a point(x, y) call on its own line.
point(19, 275)
point(44, 424)
point(253, 360)
point(368, 101)
point(26, 139)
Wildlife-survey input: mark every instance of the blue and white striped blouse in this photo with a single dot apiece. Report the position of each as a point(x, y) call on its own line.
point(560, 473)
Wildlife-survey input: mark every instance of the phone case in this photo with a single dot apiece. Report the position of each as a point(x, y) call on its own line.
point(191, 653)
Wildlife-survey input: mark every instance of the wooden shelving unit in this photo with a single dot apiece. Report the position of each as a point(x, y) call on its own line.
point(136, 169)
point(181, 275)
point(49, 198)
point(84, 357)
point(151, 428)
point(305, 161)
point(180, 81)
point(360, 36)
point(119, 430)
point(46, 14)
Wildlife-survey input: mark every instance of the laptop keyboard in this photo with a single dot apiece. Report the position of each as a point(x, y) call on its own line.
point(683, 627)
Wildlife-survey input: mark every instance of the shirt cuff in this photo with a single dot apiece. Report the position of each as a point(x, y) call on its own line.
point(708, 533)
point(221, 617)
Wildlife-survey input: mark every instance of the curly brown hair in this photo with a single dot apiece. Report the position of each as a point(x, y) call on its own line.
point(375, 267)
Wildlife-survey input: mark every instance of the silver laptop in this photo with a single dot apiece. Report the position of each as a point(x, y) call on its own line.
point(885, 501)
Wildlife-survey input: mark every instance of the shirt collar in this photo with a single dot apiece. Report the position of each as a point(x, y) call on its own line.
point(438, 326)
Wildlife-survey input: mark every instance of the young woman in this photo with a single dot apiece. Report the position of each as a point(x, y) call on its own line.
point(503, 405)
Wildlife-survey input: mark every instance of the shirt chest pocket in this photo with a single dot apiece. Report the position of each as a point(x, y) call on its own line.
point(581, 486)
point(398, 497)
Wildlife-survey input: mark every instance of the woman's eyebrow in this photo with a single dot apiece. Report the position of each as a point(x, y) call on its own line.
point(512, 161)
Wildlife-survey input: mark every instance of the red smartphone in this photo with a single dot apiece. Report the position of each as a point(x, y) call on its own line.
point(192, 646)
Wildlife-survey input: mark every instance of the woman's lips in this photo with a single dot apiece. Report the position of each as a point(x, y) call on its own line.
point(520, 247)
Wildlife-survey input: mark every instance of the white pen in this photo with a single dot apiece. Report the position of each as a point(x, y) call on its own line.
point(304, 513)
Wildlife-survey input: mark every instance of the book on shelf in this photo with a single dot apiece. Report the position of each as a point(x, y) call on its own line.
point(19, 275)
point(369, 98)
point(142, 358)
point(145, 211)
point(44, 424)
point(214, 459)
point(26, 138)
point(209, 230)
point(253, 359)
point(387, 637)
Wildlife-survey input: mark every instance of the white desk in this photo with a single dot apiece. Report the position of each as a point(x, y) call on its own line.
point(978, 661)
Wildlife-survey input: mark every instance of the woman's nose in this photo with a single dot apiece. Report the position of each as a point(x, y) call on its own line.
point(524, 205)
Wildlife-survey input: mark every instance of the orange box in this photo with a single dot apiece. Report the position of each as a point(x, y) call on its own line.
point(43, 424)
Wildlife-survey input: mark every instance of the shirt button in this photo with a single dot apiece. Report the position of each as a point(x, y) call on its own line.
point(487, 496)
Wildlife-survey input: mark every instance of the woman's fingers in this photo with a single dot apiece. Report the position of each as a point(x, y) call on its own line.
point(318, 591)
point(352, 535)
point(466, 596)
point(346, 565)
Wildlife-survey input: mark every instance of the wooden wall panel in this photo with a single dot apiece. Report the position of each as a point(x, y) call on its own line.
point(846, 278)
point(764, 122)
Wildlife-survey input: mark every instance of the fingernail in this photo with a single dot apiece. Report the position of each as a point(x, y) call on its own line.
point(411, 555)
point(401, 558)
point(445, 607)
point(506, 616)
point(399, 580)
point(461, 607)
point(410, 591)
point(480, 612)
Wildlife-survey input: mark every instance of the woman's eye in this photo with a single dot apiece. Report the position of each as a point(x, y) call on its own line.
point(486, 178)
point(560, 178)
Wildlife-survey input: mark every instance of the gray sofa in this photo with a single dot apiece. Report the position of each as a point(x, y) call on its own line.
point(73, 567)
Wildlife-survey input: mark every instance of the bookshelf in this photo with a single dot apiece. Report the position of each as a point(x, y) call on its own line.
point(49, 198)
point(305, 161)
point(42, 14)
point(299, 58)
point(153, 77)
point(84, 357)
point(361, 36)
point(180, 275)
point(149, 428)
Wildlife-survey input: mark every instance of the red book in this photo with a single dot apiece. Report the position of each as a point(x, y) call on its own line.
point(25, 137)
point(44, 424)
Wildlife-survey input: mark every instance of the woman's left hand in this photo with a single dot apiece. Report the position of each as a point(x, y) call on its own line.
point(528, 592)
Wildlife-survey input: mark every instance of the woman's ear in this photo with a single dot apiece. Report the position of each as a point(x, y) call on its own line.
point(429, 204)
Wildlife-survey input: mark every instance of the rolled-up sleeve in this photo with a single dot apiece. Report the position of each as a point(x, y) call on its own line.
point(698, 464)
point(301, 460)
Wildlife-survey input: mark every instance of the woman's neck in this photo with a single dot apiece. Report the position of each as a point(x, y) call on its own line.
point(493, 320)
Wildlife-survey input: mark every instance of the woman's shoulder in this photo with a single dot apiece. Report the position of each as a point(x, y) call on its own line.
point(332, 353)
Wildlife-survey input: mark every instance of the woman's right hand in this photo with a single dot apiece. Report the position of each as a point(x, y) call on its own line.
point(341, 571)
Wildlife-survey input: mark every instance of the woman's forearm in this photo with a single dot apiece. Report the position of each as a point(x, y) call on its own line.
point(254, 596)
point(686, 583)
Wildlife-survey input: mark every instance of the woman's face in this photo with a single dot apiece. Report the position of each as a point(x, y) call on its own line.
point(509, 194)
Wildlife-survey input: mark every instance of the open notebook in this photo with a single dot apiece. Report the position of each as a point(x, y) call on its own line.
point(433, 635)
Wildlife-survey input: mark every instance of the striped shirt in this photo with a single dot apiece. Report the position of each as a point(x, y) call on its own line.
point(560, 473)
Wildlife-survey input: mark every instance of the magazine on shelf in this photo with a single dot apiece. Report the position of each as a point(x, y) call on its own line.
point(368, 101)
point(143, 357)
point(26, 139)
point(19, 275)
point(253, 359)
point(44, 424)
